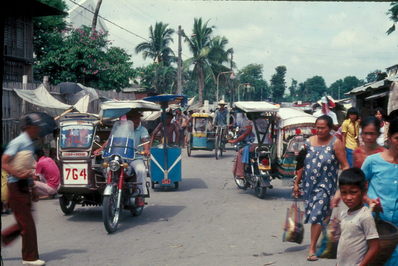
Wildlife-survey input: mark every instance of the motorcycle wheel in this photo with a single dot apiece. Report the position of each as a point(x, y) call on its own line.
point(189, 149)
point(67, 205)
point(241, 183)
point(260, 192)
point(110, 213)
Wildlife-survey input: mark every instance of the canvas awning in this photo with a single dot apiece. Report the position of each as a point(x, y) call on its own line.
point(41, 97)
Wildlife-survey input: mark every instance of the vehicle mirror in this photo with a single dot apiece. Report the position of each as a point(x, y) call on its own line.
point(97, 138)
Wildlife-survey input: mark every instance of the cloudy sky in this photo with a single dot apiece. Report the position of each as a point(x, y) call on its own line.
point(332, 40)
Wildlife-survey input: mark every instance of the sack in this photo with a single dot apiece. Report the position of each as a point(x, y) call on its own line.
point(294, 229)
point(23, 160)
point(328, 242)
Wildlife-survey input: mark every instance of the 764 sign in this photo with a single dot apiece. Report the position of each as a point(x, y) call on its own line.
point(75, 174)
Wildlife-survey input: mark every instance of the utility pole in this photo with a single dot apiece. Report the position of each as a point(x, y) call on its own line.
point(179, 63)
point(232, 82)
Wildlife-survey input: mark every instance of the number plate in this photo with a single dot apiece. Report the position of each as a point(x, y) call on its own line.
point(166, 181)
point(75, 174)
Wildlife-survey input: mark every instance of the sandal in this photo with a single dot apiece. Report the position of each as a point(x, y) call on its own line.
point(312, 257)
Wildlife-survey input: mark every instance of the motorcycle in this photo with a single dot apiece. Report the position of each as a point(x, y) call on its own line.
point(257, 171)
point(122, 190)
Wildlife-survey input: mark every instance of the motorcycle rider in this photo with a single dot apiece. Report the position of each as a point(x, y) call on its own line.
point(141, 135)
point(249, 138)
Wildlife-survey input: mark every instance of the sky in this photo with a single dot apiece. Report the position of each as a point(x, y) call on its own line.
point(330, 39)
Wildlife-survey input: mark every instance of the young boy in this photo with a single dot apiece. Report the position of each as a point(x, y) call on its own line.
point(359, 240)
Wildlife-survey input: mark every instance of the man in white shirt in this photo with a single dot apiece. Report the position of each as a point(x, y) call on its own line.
point(325, 110)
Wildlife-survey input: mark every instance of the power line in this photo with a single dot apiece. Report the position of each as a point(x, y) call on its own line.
point(111, 22)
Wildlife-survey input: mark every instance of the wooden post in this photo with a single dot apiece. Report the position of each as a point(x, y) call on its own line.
point(24, 87)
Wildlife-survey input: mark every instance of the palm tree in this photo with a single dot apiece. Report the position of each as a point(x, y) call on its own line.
point(199, 44)
point(157, 47)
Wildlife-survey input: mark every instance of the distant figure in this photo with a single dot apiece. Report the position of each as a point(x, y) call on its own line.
point(171, 130)
point(325, 110)
point(350, 130)
point(182, 122)
point(381, 115)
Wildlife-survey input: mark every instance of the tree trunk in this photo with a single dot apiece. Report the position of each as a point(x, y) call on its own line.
point(201, 84)
point(95, 17)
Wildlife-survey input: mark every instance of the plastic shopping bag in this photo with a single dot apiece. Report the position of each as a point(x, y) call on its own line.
point(294, 229)
point(329, 240)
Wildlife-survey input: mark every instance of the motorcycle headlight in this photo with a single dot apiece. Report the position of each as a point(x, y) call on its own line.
point(114, 165)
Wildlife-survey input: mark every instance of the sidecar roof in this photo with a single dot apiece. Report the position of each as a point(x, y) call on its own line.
point(114, 109)
point(256, 107)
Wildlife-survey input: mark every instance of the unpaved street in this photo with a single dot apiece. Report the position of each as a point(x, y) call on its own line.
point(208, 221)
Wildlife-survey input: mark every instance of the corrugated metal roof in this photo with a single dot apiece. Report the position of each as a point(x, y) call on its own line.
point(373, 85)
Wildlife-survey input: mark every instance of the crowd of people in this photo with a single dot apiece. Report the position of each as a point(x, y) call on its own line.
point(356, 162)
point(366, 151)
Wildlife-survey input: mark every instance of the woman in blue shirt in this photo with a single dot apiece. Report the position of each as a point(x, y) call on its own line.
point(381, 171)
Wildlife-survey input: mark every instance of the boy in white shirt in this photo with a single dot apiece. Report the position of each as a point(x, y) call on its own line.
point(359, 240)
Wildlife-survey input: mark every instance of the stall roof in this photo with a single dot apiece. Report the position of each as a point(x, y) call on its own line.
point(41, 97)
point(373, 85)
point(256, 107)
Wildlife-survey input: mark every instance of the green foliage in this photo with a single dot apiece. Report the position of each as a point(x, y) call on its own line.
point(157, 47)
point(199, 44)
point(393, 15)
point(278, 84)
point(85, 57)
point(158, 78)
point(258, 89)
point(313, 88)
point(372, 76)
point(48, 30)
point(294, 91)
point(338, 88)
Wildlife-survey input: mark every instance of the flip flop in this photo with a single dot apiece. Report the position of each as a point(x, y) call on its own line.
point(312, 257)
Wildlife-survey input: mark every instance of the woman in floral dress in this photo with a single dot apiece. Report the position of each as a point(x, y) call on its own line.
point(325, 153)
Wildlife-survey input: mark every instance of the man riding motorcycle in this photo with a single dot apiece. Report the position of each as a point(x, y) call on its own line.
point(249, 139)
point(141, 135)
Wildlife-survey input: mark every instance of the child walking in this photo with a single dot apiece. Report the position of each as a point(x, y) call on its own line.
point(359, 240)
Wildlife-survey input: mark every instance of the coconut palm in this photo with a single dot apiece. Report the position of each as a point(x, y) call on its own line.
point(157, 47)
point(199, 44)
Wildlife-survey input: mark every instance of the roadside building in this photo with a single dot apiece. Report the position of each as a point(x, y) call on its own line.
point(382, 93)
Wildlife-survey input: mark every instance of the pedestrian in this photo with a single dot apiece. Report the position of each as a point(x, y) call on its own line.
point(381, 171)
point(182, 122)
point(326, 106)
point(324, 155)
point(47, 174)
point(19, 191)
point(370, 131)
point(350, 136)
point(381, 115)
point(359, 240)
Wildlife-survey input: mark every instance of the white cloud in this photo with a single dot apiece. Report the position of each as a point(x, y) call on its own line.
point(311, 38)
